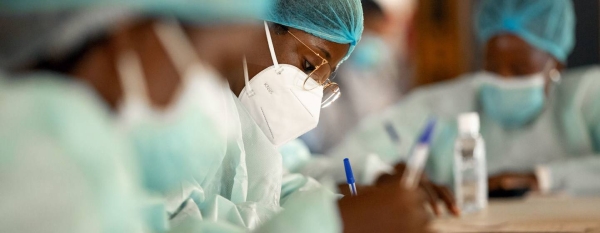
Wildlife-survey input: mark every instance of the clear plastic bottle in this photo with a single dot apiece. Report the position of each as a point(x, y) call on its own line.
point(470, 173)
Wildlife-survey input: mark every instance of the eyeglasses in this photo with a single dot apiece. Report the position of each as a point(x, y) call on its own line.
point(331, 90)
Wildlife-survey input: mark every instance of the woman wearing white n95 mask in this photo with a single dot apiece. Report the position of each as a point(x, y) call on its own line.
point(286, 81)
point(284, 100)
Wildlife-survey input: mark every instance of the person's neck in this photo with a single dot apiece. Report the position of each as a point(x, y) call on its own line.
point(226, 65)
point(97, 69)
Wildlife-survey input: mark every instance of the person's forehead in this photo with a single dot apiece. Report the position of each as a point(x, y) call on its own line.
point(331, 51)
point(509, 44)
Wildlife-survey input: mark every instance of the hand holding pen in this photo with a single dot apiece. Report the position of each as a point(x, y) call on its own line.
point(384, 209)
point(411, 174)
point(363, 212)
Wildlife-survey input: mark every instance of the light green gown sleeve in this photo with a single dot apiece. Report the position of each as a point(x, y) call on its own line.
point(62, 168)
point(192, 225)
point(294, 155)
point(580, 117)
point(307, 207)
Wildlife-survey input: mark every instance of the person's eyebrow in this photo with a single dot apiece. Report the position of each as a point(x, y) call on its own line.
point(327, 54)
point(327, 57)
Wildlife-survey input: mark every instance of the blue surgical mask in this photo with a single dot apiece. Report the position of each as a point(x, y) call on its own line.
point(512, 102)
point(166, 140)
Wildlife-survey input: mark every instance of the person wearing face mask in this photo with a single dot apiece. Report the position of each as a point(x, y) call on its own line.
point(280, 93)
point(103, 105)
point(540, 124)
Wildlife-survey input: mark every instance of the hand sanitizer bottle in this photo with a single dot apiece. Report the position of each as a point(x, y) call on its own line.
point(470, 173)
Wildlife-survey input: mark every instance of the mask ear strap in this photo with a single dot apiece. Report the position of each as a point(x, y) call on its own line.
point(179, 48)
point(249, 90)
point(131, 75)
point(271, 48)
point(248, 87)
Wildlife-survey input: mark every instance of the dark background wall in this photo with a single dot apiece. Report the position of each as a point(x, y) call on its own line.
point(587, 48)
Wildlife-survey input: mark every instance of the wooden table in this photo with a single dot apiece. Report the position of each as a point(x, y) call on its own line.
point(531, 214)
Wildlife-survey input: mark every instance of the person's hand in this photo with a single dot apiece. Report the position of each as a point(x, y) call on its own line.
point(433, 191)
point(344, 189)
point(384, 209)
point(513, 181)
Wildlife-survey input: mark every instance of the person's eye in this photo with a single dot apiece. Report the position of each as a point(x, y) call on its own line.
point(308, 67)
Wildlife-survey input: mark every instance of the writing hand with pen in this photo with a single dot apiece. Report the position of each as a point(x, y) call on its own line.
point(385, 208)
point(433, 192)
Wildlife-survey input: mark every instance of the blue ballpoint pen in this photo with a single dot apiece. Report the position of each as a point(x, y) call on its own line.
point(350, 177)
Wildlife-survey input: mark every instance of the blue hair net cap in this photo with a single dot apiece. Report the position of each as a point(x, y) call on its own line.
point(42, 29)
point(339, 21)
point(546, 24)
point(191, 10)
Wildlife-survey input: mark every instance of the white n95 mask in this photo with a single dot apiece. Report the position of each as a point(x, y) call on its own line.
point(278, 101)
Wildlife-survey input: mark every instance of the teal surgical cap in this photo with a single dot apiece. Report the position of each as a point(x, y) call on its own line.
point(34, 30)
point(339, 21)
point(546, 24)
point(191, 10)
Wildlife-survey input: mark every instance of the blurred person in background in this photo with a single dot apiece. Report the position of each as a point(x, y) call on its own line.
point(159, 83)
point(74, 74)
point(541, 126)
point(370, 79)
